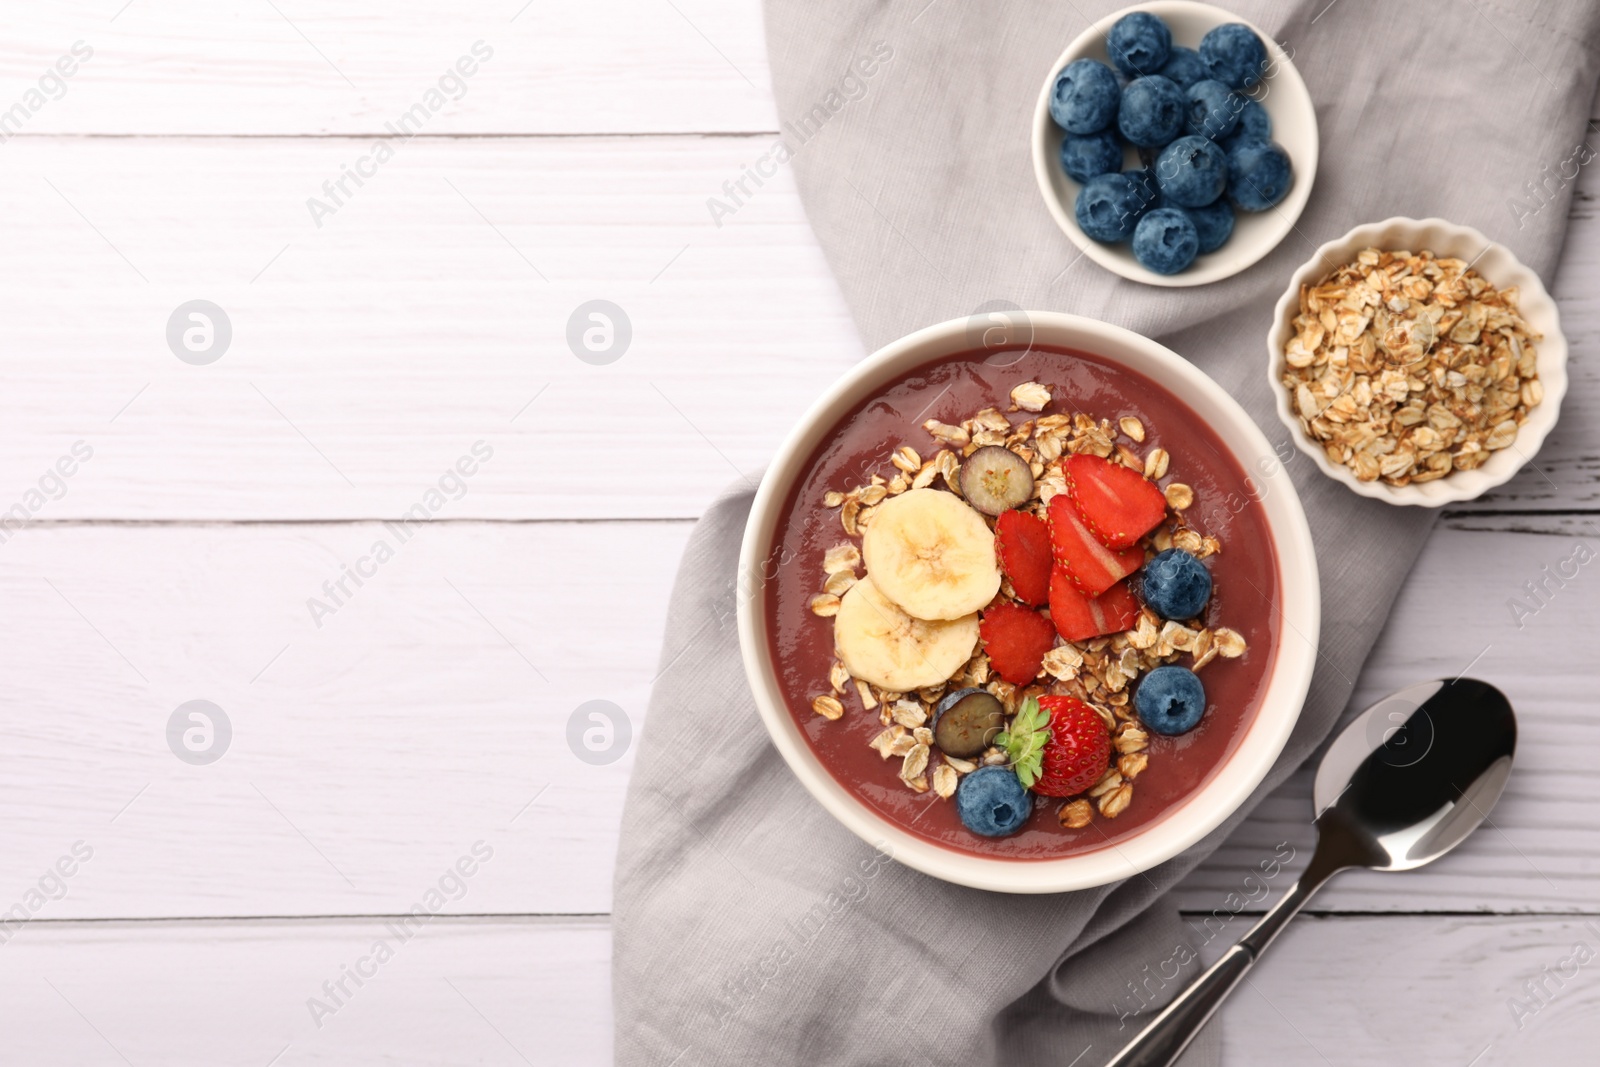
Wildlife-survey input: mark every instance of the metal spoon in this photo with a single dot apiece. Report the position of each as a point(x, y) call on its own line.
point(1403, 784)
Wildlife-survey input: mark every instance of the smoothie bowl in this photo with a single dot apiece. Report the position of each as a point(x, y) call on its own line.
point(1032, 608)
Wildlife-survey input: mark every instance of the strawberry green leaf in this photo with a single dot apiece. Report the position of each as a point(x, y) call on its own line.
point(1025, 741)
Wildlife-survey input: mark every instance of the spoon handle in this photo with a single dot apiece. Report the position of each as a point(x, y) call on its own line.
point(1163, 1041)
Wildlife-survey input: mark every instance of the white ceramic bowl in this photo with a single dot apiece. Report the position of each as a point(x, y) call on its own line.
point(1294, 126)
point(1263, 739)
point(1502, 269)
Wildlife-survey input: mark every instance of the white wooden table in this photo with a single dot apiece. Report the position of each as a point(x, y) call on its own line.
point(375, 743)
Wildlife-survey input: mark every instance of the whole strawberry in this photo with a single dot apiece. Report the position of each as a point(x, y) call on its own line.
point(1058, 745)
point(1079, 749)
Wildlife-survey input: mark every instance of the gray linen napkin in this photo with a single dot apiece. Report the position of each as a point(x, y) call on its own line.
point(751, 928)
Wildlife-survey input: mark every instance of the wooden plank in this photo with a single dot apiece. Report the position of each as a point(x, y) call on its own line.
point(506, 992)
point(429, 711)
point(1413, 990)
point(191, 67)
point(371, 753)
point(517, 992)
point(1565, 475)
point(291, 67)
point(431, 707)
point(429, 312)
point(1466, 609)
point(368, 354)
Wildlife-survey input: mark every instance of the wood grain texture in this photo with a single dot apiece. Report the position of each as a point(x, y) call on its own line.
point(1429, 991)
point(432, 706)
point(292, 67)
point(431, 311)
point(1421, 991)
point(430, 710)
point(1565, 475)
point(1540, 851)
point(458, 991)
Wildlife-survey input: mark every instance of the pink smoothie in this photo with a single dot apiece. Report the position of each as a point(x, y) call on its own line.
point(1245, 584)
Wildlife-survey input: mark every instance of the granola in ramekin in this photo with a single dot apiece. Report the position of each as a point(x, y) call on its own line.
point(1405, 366)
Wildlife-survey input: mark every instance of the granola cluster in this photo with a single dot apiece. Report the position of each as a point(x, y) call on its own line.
point(1404, 366)
point(1098, 671)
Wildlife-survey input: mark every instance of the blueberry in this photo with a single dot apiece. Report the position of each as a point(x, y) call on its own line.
point(1213, 223)
point(1213, 109)
point(1139, 44)
point(966, 721)
point(1254, 122)
point(1234, 55)
point(1176, 584)
point(1085, 97)
point(1109, 206)
point(1087, 155)
point(1184, 67)
point(1192, 171)
point(1259, 174)
point(1147, 189)
point(1170, 700)
point(992, 802)
point(1152, 111)
point(1166, 240)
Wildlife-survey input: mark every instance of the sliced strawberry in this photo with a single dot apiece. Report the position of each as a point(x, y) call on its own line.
point(1071, 611)
point(1078, 617)
point(1023, 543)
point(1117, 503)
point(1118, 608)
point(1079, 750)
point(1092, 566)
point(1016, 640)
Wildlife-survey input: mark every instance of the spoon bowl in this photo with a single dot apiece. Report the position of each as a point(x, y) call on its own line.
point(1407, 781)
point(1418, 771)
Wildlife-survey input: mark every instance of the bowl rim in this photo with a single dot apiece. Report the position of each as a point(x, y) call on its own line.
point(1045, 131)
point(1504, 270)
point(1288, 681)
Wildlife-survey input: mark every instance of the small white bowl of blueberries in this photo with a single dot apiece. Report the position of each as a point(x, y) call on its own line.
point(1175, 143)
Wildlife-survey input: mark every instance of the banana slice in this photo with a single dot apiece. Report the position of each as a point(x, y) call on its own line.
point(883, 645)
point(932, 554)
